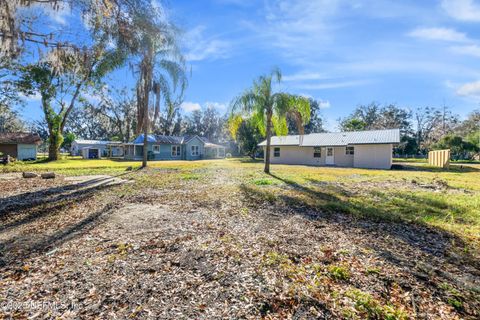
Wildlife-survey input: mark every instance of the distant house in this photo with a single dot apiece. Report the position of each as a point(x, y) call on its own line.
point(358, 149)
point(94, 149)
point(20, 145)
point(174, 148)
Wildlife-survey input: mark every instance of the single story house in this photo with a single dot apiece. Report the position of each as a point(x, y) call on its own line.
point(20, 145)
point(358, 149)
point(162, 147)
point(92, 149)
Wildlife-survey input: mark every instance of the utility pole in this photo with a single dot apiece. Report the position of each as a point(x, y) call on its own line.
point(444, 112)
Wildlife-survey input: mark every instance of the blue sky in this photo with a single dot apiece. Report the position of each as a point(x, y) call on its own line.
point(341, 52)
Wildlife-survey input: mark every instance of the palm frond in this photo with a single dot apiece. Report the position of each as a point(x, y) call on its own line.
point(280, 125)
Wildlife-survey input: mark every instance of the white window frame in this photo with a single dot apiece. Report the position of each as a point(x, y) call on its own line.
point(317, 150)
point(275, 153)
point(154, 147)
point(350, 150)
point(175, 151)
point(195, 151)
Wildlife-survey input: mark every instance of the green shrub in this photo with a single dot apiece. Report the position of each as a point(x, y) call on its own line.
point(338, 273)
point(263, 182)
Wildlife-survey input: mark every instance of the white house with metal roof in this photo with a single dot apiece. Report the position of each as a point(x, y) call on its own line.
point(358, 149)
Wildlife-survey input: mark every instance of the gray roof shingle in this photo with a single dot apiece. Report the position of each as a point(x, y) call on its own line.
point(390, 136)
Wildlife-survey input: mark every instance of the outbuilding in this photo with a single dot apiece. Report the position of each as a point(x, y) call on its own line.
point(104, 148)
point(358, 149)
point(20, 145)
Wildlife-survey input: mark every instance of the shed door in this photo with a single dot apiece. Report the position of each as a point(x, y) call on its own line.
point(93, 153)
point(330, 157)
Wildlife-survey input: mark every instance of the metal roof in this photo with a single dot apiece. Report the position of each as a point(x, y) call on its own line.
point(19, 137)
point(390, 136)
point(99, 142)
point(162, 139)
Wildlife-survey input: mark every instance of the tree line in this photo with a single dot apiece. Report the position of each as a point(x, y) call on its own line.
point(422, 129)
point(70, 74)
point(64, 64)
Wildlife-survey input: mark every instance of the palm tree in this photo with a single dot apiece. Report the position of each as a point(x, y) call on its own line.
point(268, 109)
point(152, 41)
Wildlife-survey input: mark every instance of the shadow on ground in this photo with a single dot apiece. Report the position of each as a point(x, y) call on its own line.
point(25, 209)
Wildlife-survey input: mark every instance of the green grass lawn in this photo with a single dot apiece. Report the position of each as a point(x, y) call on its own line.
point(445, 199)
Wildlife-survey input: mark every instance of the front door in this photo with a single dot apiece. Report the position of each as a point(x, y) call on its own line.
point(330, 158)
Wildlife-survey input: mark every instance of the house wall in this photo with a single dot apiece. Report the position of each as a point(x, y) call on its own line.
point(188, 149)
point(9, 149)
point(297, 155)
point(165, 152)
point(212, 153)
point(341, 158)
point(117, 151)
point(377, 156)
point(76, 148)
point(27, 151)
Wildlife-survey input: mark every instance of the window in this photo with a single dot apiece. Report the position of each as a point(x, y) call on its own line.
point(175, 151)
point(276, 152)
point(195, 151)
point(317, 152)
point(350, 150)
point(156, 149)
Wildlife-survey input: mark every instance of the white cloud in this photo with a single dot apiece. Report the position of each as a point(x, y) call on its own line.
point(32, 98)
point(471, 89)
point(324, 104)
point(465, 10)
point(92, 98)
point(199, 47)
point(333, 85)
point(443, 34)
point(297, 27)
point(472, 50)
point(61, 15)
point(190, 106)
point(216, 105)
point(303, 76)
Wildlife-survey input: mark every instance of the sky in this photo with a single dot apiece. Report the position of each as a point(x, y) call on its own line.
point(340, 52)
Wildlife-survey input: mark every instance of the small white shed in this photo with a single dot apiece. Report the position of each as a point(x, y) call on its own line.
point(91, 153)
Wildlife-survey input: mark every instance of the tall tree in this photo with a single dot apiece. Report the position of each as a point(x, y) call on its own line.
point(269, 109)
point(206, 123)
point(373, 117)
point(151, 39)
point(431, 124)
point(10, 120)
point(315, 125)
point(246, 135)
point(60, 79)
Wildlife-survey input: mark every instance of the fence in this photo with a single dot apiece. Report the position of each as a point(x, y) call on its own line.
point(439, 158)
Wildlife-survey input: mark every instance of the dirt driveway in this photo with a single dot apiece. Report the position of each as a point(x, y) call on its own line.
point(178, 245)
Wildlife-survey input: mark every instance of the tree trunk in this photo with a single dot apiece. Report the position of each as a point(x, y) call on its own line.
point(145, 140)
point(269, 137)
point(55, 140)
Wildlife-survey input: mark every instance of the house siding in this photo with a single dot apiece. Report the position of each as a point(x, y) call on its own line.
point(27, 151)
point(341, 158)
point(374, 156)
point(76, 148)
point(365, 156)
point(188, 147)
point(297, 155)
point(165, 152)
